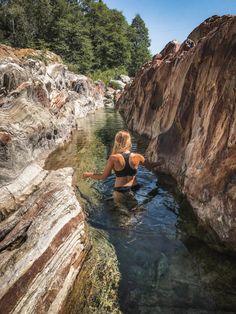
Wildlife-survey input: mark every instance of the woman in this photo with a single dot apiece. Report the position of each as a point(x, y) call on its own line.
point(123, 162)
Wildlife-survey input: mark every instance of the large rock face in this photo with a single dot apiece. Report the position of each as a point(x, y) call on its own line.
point(43, 237)
point(184, 101)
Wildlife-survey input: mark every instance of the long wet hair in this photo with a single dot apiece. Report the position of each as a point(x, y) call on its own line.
point(122, 142)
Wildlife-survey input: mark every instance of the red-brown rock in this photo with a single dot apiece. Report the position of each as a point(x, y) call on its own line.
point(4, 137)
point(186, 105)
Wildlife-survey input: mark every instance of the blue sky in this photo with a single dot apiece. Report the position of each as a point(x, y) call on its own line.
point(171, 19)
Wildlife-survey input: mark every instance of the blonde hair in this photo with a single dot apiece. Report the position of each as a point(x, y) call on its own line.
point(122, 142)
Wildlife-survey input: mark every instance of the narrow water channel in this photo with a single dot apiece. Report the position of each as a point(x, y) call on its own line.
point(148, 247)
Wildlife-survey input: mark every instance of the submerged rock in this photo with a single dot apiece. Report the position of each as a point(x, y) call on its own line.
point(184, 101)
point(43, 237)
point(95, 290)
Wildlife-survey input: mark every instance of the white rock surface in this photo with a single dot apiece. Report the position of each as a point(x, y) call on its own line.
point(43, 237)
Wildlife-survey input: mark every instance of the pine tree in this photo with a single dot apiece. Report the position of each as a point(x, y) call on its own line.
point(140, 42)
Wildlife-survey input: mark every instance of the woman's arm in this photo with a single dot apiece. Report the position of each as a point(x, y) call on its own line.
point(101, 176)
point(142, 159)
point(138, 159)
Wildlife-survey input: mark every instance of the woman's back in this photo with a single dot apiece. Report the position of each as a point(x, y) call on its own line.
point(125, 166)
point(122, 161)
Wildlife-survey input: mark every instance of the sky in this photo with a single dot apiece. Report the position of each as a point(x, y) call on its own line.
point(171, 19)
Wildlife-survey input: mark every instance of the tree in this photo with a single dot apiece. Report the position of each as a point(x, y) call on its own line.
point(86, 33)
point(108, 33)
point(14, 24)
point(40, 16)
point(24, 22)
point(71, 40)
point(140, 42)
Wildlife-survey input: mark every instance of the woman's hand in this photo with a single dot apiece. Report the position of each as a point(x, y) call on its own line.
point(100, 176)
point(87, 175)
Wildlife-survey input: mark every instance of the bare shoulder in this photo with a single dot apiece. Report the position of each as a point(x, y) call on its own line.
point(137, 158)
point(114, 157)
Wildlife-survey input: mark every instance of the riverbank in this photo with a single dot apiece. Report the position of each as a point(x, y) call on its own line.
point(43, 238)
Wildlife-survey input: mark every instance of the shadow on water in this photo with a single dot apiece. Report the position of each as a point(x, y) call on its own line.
point(163, 266)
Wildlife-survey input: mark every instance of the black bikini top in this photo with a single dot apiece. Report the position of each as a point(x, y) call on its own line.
point(127, 171)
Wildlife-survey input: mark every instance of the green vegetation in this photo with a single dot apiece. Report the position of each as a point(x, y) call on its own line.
point(139, 44)
point(108, 75)
point(89, 36)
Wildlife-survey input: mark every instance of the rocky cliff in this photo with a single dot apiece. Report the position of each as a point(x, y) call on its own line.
point(43, 235)
point(184, 101)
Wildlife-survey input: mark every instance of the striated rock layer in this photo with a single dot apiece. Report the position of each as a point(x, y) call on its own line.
point(43, 236)
point(184, 101)
point(43, 248)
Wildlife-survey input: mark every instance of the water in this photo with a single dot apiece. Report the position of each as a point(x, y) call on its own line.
point(150, 239)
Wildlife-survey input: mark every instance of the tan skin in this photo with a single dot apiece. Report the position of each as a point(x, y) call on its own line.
point(117, 162)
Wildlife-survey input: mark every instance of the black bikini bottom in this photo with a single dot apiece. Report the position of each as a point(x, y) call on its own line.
point(124, 189)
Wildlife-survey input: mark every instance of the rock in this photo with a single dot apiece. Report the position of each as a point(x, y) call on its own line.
point(185, 104)
point(4, 138)
point(157, 57)
point(124, 78)
point(171, 48)
point(112, 92)
point(43, 237)
point(108, 103)
point(187, 44)
point(116, 84)
point(19, 55)
point(117, 95)
point(11, 76)
point(109, 97)
point(100, 86)
point(37, 100)
point(212, 24)
point(40, 261)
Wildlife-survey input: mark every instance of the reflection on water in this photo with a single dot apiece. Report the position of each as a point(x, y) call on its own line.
point(163, 267)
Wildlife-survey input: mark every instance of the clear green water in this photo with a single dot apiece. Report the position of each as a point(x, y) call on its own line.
point(162, 266)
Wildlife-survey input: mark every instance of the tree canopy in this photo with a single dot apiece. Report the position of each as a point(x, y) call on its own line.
point(140, 42)
point(86, 33)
